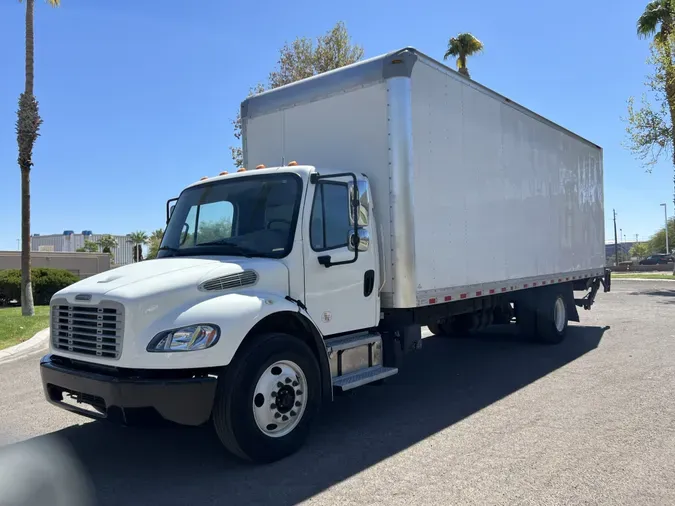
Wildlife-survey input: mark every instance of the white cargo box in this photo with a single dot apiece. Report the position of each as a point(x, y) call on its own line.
point(474, 193)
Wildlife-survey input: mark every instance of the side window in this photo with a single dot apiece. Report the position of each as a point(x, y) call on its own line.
point(329, 226)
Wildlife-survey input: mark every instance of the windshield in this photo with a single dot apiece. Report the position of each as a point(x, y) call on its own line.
point(246, 216)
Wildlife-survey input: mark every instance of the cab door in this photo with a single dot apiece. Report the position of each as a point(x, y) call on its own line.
point(341, 260)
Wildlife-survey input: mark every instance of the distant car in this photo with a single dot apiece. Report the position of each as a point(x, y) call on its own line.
point(657, 259)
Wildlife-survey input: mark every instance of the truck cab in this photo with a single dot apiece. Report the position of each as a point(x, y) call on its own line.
point(282, 258)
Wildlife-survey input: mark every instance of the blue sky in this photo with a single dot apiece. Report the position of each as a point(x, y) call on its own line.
point(137, 97)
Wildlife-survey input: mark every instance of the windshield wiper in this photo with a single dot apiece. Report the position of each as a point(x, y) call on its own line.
point(242, 250)
point(169, 248)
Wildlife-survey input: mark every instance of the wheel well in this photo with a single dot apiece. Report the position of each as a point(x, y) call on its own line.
point(297, 325)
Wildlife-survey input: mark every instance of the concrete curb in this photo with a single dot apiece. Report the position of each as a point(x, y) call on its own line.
point(643, 279)
point(35, 343)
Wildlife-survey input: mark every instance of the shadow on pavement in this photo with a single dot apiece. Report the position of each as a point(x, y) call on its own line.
point(668, 294)
point(445, 382)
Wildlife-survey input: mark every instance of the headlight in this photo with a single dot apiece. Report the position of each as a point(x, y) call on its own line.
point(194, 337)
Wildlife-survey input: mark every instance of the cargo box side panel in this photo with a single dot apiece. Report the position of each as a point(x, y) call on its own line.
point(346, 131)
point(499, 193)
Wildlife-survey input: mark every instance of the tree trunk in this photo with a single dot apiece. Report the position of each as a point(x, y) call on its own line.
point(462, 66)
point(27, 306)
point(30, 51)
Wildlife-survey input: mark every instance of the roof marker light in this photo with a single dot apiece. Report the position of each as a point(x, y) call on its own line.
point(261, 166)
point(224, 173)
point(292, 164)
point(243, 169)
point(203, 178)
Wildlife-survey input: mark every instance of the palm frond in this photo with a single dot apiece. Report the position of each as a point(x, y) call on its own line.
point(655, 13)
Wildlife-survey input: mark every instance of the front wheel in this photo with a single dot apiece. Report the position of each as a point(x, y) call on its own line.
point(266, 401)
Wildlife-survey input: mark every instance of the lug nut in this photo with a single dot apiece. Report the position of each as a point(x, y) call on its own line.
point(298, 404)
point(273, 394)
point(295, 383)
point(279, 384)
point(273, 406)
point(277, 415)
point(288, 380)
point(293, 413)
point(284, 418)
point(298, 392)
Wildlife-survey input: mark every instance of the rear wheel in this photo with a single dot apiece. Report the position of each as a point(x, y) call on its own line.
point(543, 319)
point(552, 319)
point(266, 401)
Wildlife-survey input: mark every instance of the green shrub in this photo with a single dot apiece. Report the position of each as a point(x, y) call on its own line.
point(46, 282)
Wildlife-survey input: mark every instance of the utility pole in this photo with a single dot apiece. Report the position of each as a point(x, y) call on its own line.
point(616, 244)
point(665, 216)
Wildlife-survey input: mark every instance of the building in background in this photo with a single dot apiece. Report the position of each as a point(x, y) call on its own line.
point(80, 264)
point(69, 242)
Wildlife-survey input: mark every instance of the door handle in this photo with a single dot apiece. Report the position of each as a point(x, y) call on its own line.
point(368, 282)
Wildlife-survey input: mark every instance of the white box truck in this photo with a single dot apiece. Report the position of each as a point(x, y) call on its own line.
point(378, 198)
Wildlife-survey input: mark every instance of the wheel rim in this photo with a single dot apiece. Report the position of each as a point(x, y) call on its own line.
point(280, 398)
point(559, 314)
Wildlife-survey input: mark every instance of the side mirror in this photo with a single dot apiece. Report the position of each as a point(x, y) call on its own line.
point(359, 197)
point(360, 241)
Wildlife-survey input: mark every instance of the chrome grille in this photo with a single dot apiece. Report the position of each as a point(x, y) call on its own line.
point(239, 280)
point(95, 330)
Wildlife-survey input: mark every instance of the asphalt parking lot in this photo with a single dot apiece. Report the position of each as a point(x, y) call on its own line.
point(488, 420)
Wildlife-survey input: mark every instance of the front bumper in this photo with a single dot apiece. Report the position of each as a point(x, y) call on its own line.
point(121, 395)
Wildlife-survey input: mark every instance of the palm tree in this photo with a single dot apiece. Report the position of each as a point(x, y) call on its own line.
point(27, 130)
point(138, 238)
point(657, 19)
point(107, 244)
point(154, 242)
point(462, 46)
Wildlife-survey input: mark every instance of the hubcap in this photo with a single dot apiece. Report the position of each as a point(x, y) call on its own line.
point(559, 314)
point(279, 398)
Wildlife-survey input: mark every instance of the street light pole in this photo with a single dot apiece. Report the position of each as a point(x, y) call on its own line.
point(665, 216)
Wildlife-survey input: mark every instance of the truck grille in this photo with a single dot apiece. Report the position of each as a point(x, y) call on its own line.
point(95, 330)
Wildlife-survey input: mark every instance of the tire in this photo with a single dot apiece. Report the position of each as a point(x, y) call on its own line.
point(526, 319)
point(435, 329)
point(552, 319)
point(239, 407)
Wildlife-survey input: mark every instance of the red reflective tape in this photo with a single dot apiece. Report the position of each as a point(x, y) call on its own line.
point(478, 294)
point(553, 281)
point(567, 279)
point(503, 289)
point(492, 290)
point(525, 286)
point(432, 301)
point(448, 297)
point(533, 284)
point(560, 280)
point(462, 296)
point(543, 282)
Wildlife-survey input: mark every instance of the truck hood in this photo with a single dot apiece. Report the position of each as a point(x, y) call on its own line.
point(164, 275)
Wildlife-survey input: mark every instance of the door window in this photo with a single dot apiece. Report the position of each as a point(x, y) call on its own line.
point(330, 217)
